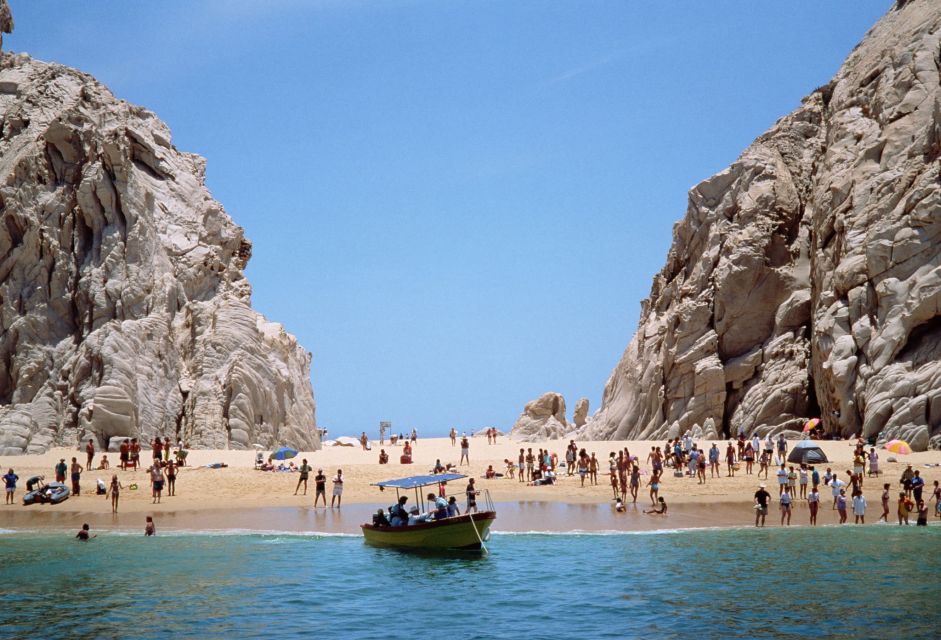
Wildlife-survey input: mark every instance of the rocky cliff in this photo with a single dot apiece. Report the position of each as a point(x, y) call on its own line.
point(805, 279)
point(124, 310)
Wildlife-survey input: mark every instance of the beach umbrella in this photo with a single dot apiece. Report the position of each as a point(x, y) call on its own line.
point(284, 453)
point(898, 446)
point(811, 424)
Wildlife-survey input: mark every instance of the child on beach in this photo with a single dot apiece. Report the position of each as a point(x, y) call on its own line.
point(660, 509)
point(150, 529)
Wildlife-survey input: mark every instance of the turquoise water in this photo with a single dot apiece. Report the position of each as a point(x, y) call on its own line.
point(740, 583)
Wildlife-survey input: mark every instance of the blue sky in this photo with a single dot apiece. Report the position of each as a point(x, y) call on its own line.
point(455, 206)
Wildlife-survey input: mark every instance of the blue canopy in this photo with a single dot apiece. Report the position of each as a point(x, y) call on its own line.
point(284, 453)
point(419, 481)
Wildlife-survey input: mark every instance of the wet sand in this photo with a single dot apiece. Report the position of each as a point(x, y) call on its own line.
point(528, 516)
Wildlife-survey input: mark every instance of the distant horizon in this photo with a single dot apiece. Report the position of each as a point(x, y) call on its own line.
point(454, 207)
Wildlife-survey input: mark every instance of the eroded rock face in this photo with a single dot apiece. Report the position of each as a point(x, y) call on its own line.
point(805, 279)
point(125, 310)
point(580, 417)
point(542, 419)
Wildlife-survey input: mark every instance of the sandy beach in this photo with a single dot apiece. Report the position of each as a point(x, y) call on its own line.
point(240, 497)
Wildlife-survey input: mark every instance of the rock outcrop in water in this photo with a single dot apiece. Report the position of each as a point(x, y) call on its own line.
point(542, 419)
point(805, 279)
point(123, 303)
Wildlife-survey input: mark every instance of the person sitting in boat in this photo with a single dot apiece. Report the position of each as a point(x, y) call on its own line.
point(441, 506)
point(453, 509)
point(383, 457)
point(380, 519)
point(416, 517)
point(398, 512)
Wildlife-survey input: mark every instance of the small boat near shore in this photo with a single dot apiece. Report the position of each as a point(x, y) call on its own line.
point(52, 493)
point(468, 531)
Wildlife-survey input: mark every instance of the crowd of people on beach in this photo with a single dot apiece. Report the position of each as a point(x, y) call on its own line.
point(162, 472)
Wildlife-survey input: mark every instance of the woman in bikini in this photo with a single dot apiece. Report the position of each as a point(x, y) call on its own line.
point(115, 492)
point(654, 485)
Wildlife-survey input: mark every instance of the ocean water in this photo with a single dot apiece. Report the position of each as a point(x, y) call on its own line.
point(862, 582)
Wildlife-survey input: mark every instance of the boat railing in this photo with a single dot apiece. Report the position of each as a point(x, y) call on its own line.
point(485, 494)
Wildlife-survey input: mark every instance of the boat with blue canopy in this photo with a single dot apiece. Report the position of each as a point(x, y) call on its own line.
point(464, 531)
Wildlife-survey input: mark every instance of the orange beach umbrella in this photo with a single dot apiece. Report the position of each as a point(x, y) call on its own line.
point(811, 424)
point(898, 446)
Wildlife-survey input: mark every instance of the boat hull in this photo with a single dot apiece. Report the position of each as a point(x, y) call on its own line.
point(459, 532)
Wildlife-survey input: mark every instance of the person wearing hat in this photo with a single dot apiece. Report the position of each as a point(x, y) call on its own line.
point(61, 470)
point(762, 497)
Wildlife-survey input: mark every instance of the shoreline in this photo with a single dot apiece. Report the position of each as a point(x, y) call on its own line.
point(238, 497)
point(535, 517)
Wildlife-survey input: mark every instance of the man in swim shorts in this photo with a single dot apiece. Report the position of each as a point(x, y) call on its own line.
point(761, 504)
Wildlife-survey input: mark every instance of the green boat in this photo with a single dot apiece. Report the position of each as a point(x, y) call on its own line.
point(468, 531)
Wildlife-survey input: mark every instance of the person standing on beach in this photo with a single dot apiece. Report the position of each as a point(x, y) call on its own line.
point(593, 469)
point(859, 508)
point(171, 477)
point(782, 479)
point(472, 494)
point(166, 449)
point(453, 436)
point(414, 435)
point(841, 505)
point(465, 450)
point(61, 469)
point(305, 473)
point(813, 503)
point(904, 508)
point(114, 491)
point(150, 529)
point(803, 481)
point(521, 462)
point(156, 481)
point(769, 447)
point(9, 482)
point(782, 449)
point(714, 455)
point(786, 506)
point(762, 497)
point(635, 482)
point(885, 502)
point(654, 485)
point(320, 488)
point(135, 453)
point(614, 484)
point(730, 459)
point(922, 509)
point(89, 453)
point(918, 485)
point(530, 461)
point(125, 454)
point(337, 490)
point(76, 471)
